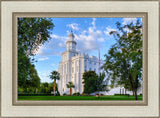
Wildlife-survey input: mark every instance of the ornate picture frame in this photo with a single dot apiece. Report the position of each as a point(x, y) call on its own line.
point(148, 107)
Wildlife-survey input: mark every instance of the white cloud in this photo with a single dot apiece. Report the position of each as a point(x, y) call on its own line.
point(73, 26)
point(94, 23)
point(54, 64)
point(68, 32)
point(108, 30)
point(62, 45)
point(127, 30)
point(53, 36)
point(57, 42)
point(101, 39)
point(55, 46)
point(129, 20)
point(84, 32)
point(87, 40)
point(42, 59)
point(39, 50)
point(44, 75)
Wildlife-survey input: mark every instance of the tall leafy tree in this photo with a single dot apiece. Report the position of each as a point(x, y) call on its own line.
point(93, 82)
point(45, 87)
point(32, 33)
point(33, 79)
point(101, 83)
point(90, 82)
point(54, 76)
point(70, 85)
point(124, 59)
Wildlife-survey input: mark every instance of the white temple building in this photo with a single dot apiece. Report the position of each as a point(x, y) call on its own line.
point(73, 65)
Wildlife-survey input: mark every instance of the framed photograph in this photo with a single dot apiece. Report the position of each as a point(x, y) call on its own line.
point(80, 59)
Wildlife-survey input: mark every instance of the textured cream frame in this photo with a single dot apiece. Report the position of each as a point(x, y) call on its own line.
point(152, 110)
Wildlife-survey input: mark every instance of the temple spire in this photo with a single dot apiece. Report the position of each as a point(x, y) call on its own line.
point(71, 43)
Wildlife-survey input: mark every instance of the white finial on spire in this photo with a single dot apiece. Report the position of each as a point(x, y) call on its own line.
point(71, 34)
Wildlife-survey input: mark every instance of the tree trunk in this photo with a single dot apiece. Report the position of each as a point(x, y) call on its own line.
point(135, 94)
point(70, 91)
point(54, 87)
point(136, 87)
point(131, 82)
point(36, 91)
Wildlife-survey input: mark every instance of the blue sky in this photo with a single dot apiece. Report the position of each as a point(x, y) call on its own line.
point(91, 34)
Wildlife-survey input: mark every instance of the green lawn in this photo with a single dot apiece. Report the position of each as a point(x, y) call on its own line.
point(109, 97)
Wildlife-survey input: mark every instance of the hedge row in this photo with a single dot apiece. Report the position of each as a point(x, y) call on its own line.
point(33, 94)
point(120, 94)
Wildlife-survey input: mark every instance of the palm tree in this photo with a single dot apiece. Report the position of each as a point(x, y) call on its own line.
point(54, 76)
point(70, 85)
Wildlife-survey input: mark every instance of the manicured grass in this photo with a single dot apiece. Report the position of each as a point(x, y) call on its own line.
point(109, 97)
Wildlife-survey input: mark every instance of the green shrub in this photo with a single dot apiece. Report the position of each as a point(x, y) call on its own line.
point(76, 94)
point(20, 90)
point(84, 94)
point(36, 94)
point(64, 94)
point(58, 94)
point(121, 94)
